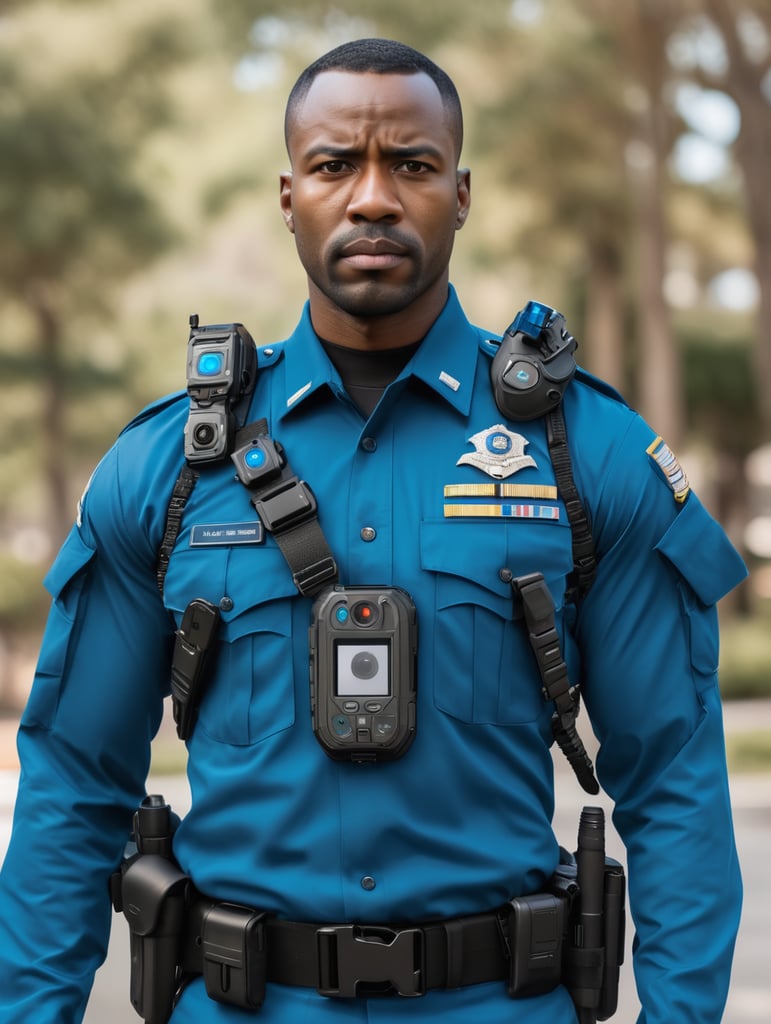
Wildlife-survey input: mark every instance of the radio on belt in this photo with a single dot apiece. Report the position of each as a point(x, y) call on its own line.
point(363, 651)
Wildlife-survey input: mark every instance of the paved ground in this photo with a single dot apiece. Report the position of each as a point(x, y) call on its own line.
point(750, 996)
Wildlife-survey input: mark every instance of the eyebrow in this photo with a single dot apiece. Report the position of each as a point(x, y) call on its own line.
point(403, 152)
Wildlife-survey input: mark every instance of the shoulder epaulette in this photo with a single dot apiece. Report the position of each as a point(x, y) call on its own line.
point(597, 384)
point(153, 409)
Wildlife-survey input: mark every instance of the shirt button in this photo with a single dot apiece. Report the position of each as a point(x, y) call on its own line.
point(369, 444)
point(368, 533)
point(368, 883)
point(226, 604)
point(505, 575)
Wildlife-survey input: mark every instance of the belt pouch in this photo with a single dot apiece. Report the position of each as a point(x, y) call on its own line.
point(537, 926)
point(234, 955)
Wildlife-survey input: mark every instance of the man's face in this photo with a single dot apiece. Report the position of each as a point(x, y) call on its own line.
point(374, 198)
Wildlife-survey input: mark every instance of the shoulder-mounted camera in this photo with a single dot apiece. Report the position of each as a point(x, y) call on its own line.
point(534, 363)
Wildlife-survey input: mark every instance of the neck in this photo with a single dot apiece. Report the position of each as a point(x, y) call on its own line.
point(380, 333)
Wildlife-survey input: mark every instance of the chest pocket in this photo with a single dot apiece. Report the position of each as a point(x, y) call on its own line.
point(250, 694)
point(483, 667)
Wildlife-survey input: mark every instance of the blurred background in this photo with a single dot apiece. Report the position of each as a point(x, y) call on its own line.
point(621, 159)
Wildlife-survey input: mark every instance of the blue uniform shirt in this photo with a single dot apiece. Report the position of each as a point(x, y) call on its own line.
point(462, 822)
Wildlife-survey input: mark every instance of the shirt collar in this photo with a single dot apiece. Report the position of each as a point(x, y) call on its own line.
point(445, 362)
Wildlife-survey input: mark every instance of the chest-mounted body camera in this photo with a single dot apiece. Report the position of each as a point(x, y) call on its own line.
point(221, 370)
point(363, 647)
point(534, 363)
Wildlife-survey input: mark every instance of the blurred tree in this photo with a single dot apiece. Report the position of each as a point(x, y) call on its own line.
point(77, 214)
point(743, 71)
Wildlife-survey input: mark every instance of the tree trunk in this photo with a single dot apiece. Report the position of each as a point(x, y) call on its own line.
point(660, 384)
point(745, 84)
point(59, 514)
point(604, 346)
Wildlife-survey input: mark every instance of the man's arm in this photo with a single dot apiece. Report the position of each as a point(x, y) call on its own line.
point(649, 644)
point(84, 747)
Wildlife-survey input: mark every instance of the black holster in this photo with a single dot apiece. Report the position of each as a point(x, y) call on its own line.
point(591, 974)
point(154, 894)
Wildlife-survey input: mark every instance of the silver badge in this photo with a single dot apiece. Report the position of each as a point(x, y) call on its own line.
point(499, 452)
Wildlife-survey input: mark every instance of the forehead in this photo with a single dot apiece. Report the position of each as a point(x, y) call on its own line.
point(342, 105)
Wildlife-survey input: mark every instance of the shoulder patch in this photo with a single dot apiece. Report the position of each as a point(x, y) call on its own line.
point(670, 468)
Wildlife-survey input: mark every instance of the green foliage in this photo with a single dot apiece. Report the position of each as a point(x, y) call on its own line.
point(745, 656)
point(749, 751)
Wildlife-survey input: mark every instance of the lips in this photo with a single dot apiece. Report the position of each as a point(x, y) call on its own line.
point(373, 247)
point(373, 253)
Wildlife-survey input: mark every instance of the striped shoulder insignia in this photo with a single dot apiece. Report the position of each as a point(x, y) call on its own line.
point(671, 469)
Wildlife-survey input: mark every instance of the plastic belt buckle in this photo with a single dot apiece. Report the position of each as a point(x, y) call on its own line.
point(287, 504)
point(361, 960)
point(234, 955)
point(311, 578)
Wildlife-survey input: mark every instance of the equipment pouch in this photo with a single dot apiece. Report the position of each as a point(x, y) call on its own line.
point(153, 893)
point(234, 955)
point(537, 927)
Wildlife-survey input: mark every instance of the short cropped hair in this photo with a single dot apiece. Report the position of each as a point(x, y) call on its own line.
point(383, 57)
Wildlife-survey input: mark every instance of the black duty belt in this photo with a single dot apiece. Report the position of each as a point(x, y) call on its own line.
point(237, 949)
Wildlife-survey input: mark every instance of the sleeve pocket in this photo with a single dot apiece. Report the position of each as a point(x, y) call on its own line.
point(708, 567)
point(696, 545)
point(64, 581)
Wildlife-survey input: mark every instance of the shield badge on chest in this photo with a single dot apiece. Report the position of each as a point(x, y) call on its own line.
point(498, 452)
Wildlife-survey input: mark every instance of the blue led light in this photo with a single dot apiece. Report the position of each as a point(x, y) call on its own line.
point(254, 458)
point(210, 364)
point(341, 614)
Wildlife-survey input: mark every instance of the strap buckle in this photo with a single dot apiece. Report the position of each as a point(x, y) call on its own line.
point(357, 960)
point(288, 504)
point(234, 955)
point(311, 578)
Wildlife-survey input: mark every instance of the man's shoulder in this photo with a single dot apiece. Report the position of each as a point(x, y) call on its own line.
point(167, 407)
point(601, 387)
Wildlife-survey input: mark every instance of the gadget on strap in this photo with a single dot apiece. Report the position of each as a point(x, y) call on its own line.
point(221, 374)
point(286, 506)
point(532, 598)
point(530, 371)
point(190, 663)
point(534, 363)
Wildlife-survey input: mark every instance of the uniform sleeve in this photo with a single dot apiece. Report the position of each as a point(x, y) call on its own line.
point(84, 744)
point(649, 641)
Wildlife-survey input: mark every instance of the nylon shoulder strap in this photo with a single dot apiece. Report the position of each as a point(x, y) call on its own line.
point(584, 556)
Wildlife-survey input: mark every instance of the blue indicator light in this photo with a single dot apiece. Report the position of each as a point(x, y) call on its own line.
point(210, 364)
point(254, 458)
point(341, 614)
point(533, 319)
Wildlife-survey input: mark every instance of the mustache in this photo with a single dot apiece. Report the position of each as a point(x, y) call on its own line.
point(371, 233)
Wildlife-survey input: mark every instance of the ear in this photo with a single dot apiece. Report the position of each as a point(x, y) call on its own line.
point(464, 196)
point(285, 199)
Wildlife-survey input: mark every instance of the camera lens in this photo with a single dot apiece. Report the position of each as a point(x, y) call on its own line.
point(203, 435)
point(364, 665)
point(364, 613)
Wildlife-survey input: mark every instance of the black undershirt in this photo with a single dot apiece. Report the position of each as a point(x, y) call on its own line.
point(366, 374)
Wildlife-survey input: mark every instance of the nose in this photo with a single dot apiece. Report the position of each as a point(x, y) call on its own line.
point(374, 196)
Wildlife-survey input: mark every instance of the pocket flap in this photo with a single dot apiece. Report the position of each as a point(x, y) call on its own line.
point(698, 548)
point(73, 556)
